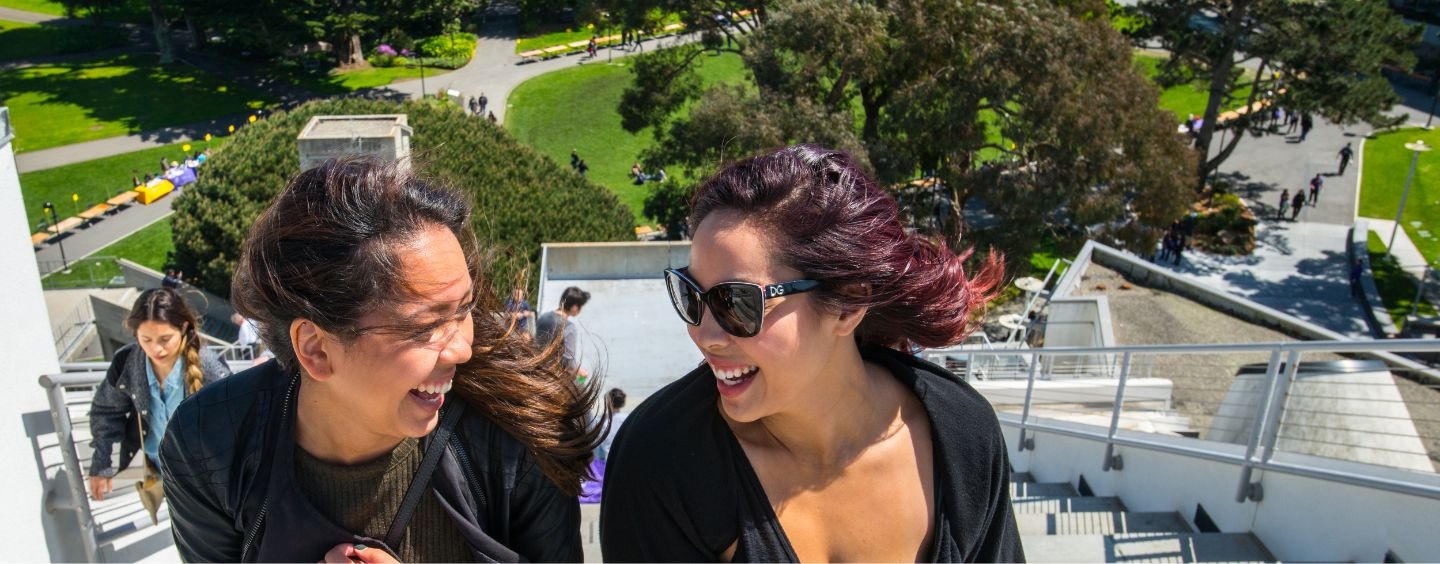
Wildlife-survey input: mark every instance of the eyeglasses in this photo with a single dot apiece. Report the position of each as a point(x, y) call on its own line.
point(739, 307)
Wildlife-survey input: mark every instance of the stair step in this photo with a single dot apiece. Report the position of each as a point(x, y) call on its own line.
point(1047, 489)
point(1101, 523)
point(1044, 505)
point(1169, 547)
point(1021, 477)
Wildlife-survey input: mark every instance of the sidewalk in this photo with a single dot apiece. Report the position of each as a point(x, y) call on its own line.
point(494, 70)
point(1405, 251)
point(82, 242)
point(1299, 267)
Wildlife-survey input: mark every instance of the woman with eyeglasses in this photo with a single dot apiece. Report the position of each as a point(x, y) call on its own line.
point(402, 418)
point(809, 433)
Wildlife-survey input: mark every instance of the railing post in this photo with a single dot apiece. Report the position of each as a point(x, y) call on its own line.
point(1113, 461)
point(1025, 442)
point(970, 367)
point(1262, 415)
point(60, 414)
point(1277, 409)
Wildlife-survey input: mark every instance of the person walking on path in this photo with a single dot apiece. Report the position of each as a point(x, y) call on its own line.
point(1344, 156)
point(1306, 124)
point(1297, 203)
point(1315, 185)
point(484, 103)
point(1284, 202)
point(474, 106)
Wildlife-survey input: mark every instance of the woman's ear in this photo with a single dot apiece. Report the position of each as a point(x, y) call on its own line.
point(310, 350)
point(850, 320)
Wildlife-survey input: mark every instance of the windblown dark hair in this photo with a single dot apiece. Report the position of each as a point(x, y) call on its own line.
point(834, 224)
point(325, 251)
point(165, 305)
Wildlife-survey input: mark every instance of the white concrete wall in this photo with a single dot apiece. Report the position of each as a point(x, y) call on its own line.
point(27, 350)
point(1298, 518)
point(629, 331)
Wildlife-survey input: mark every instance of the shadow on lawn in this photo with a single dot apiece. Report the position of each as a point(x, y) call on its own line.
point(135, 92)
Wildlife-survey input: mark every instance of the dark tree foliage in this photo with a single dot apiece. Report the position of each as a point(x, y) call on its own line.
point(1031, 107)
point(1318, 57)
point(522, 198)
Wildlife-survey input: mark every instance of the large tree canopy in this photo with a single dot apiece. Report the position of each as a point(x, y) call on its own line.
point(522, 199)
point(1030, 107)
point(1311, 56)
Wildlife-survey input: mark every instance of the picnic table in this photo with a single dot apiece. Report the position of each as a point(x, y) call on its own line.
point(122, 199)
point(68, 224)
point(95, 211)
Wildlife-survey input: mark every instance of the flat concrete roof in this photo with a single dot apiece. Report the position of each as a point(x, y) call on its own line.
point(350, 127)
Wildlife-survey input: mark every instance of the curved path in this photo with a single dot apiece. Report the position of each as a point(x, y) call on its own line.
point(494, 70)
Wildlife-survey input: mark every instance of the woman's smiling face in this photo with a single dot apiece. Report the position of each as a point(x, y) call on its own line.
point(773, 371)
point(394, 380)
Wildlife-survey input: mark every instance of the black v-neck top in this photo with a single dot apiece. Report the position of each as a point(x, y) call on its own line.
point(679, 488)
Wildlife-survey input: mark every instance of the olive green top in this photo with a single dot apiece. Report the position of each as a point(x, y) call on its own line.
point(363, 498)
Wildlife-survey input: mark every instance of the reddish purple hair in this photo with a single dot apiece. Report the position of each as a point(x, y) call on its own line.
point(834, 224)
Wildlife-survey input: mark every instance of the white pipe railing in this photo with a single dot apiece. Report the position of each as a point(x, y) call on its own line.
point(1269, 417)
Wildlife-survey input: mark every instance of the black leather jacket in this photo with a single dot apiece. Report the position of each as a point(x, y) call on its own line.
point(233, 497)
point(121, 406)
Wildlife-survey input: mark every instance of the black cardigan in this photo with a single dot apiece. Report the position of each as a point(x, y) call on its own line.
point(230, 482)
point(678, 486)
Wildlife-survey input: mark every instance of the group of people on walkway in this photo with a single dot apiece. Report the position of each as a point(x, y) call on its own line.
point(1294, 204)
point(404, 418)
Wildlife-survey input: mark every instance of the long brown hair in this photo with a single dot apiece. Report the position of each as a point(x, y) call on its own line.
point(324, 251)
point(165, 305)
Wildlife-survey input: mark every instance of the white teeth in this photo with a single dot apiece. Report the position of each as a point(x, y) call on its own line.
point(733, 375)
point(435, 389)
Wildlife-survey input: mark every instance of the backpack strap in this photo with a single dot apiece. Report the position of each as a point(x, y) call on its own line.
point(421, 482)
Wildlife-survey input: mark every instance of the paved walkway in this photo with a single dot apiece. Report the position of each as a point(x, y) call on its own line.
point(494, 70)
point(1299, 267)
point(22, 16)
point(80, 243)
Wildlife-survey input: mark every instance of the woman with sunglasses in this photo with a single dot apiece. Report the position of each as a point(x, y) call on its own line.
point(809, 433)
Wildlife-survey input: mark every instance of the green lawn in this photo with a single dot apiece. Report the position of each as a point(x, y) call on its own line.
point(576, 109)
point(64, 103)
point(1387, 163)
point(95, 181)
point(1183, 100)
point(552, 35)
point(27, 41)
point(40, 6)
point(150, 247)
point(373, 77)
point(1396, 287)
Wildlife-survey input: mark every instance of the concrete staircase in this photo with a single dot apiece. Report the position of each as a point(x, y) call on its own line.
point(1057, 524)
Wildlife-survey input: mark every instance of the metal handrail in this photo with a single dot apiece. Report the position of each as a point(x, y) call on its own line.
point(1270, 410)
point(79, 375)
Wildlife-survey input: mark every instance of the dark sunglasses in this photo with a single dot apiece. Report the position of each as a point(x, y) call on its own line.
point(739, 307)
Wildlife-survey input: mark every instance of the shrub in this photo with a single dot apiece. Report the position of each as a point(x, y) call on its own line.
point(522, 197)
point(1224, 225)
point(449, 46)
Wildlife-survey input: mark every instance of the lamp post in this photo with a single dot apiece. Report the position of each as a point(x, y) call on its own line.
point(1416, 147)
point(55, 226)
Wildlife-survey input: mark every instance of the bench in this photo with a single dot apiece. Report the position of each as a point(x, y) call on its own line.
point(39, 238)
point(532, 55)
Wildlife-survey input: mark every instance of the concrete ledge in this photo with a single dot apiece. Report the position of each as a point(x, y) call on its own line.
point(1152, 276)
point(627, 260)
point(1381, 325)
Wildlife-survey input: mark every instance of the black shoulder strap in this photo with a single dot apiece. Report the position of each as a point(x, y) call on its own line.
point(421, 482)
